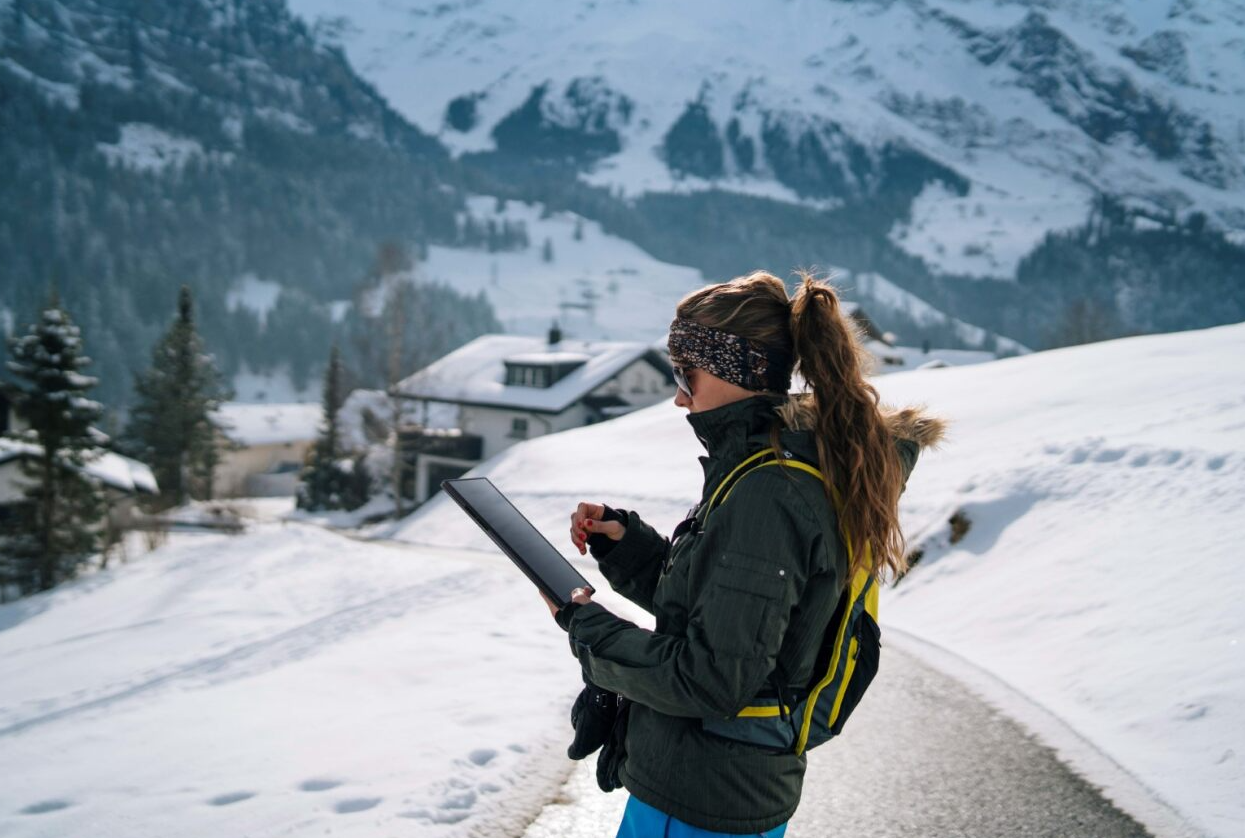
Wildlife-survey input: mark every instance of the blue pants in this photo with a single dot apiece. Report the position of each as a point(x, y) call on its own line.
point(641, 820)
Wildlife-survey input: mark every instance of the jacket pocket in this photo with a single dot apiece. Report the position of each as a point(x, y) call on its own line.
point(742, 597)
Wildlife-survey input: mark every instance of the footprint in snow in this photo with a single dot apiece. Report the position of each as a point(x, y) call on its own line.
point(482, 756)
point(357, 804)
point(45, 806)
point(231, 798)
point(317, 784)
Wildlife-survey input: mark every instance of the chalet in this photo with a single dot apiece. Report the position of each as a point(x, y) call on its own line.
point(123, 480)
point(263, 447)
point(502, 389)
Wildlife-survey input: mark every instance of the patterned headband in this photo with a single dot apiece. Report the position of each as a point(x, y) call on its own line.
point(730, 357)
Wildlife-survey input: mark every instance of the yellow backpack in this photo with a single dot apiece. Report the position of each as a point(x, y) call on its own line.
point(797, 719)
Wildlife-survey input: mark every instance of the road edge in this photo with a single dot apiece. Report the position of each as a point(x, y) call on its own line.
point(1113, 780)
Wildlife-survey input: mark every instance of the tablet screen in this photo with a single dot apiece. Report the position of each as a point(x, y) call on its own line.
point(516, 536)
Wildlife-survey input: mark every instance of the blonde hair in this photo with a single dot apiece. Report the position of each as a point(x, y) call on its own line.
point(857, 452)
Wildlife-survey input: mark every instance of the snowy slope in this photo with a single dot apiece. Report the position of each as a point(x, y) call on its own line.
point(1100, 575)
point(1036, 105)
point(597, 286)
point(288, 681)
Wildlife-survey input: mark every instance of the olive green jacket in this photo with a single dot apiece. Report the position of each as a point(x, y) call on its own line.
point(754, 588)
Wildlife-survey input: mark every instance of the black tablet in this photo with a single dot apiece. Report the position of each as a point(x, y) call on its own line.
point(516, 537)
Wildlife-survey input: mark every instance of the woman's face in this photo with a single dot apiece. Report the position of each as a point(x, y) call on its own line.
point(710, 391)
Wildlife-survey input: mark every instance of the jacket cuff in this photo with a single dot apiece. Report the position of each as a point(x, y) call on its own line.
point(564, 614)
point(576, 614)
point(639, 546)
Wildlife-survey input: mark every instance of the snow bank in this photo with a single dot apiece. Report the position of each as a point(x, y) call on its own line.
point(1099, 575)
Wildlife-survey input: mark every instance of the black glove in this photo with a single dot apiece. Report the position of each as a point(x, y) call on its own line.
point(614, 750)
point(600, 544)
point(592, 716)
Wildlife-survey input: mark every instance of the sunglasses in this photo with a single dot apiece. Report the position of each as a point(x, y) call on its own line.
point(680, 378)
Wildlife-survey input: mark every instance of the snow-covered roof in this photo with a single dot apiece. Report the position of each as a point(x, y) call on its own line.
point(112, 469)
point(548, 358)
point(475, 373)
point(268, 424)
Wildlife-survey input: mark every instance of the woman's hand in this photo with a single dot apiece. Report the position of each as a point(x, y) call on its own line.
point(586, 519)
point(582, 596)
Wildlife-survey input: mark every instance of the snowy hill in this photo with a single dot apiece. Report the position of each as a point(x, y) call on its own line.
point(1098, 575)
point(1004, 119)
point(291, 676)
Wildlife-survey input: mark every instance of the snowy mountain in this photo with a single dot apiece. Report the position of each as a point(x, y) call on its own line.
point(1001, 119)
point(1081, 160)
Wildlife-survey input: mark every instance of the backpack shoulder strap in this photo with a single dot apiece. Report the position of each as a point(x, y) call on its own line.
point(762, 458)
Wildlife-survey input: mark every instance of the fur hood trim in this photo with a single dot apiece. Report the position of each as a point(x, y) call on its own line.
point(914, 422)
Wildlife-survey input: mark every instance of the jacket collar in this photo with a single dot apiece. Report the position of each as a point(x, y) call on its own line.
point(724, 431)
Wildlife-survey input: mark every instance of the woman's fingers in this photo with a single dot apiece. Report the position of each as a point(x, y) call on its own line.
point(582, 524)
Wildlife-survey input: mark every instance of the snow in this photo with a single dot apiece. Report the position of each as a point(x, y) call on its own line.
point(293, 679)
point(115, 470)
point(986, 233)
point(258, 295)
point(1100, 576)
point(600, 286)
point(603, 287)
point(148, 148)
point(268, 424)
point(475, 373)
point(338, 309)
point(886, 294)
point(285, 681)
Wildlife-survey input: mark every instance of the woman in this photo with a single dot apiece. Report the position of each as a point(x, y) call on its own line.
point(751, 592)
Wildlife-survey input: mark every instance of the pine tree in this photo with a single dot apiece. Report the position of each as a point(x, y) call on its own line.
point(58, 530)
point(171, 423)
point(330, 480)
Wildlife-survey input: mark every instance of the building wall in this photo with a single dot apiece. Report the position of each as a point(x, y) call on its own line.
point(639, 383)
point(237, 466)
point(495, 424)
point(12, 482)
point(426, 485)
point(120, 507)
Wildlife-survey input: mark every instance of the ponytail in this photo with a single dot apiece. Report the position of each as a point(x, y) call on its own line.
point(857, 452)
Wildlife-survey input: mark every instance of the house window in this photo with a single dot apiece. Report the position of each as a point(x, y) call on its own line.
point(518, 427)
